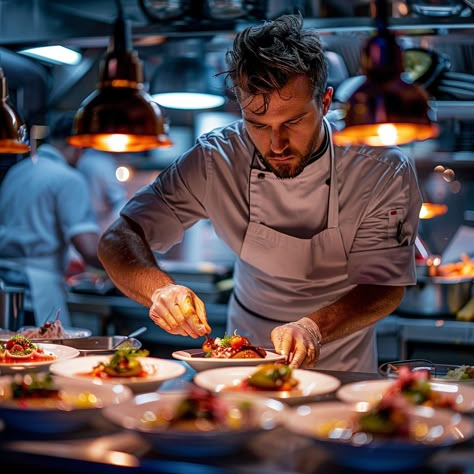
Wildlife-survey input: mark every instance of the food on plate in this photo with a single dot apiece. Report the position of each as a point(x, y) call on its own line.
point(201, 410)
point(269, 377)
point(21, 349)
point(123, 363)
point(40, 391)
point(49, 330)
point(389, 417)
point(232, 347)
point(464, 372)
point(415, 386)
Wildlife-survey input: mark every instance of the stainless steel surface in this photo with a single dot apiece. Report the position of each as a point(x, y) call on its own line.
point(436, 296)
point(98, 345)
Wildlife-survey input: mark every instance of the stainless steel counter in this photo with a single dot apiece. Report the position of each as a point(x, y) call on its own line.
point(102, 448)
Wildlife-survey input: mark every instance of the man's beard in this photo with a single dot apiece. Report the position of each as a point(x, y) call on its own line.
point(286, 171)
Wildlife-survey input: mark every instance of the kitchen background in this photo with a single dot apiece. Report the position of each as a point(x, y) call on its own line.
point(186, 40)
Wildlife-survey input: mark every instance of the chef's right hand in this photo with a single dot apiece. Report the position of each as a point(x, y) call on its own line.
point(178, 310)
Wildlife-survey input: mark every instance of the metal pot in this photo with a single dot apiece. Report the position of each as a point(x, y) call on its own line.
point(436, 296)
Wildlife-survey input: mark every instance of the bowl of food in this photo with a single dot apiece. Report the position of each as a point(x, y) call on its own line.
point(19, 353)
point(197, 423)
point(378, 438)
point(436, 372)
point(42, 403)
point(130, 367)
point(227, 351)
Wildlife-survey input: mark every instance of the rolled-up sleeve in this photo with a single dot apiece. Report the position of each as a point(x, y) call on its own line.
point(172, 203)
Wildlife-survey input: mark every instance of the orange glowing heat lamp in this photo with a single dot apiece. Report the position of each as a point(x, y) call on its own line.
point(120, 116)
point(429, 210)
point(385, 109)
point(13, 132)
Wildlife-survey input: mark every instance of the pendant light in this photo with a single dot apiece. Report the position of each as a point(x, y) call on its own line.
point(385, 109)
point(120, 116)
point(13, 132)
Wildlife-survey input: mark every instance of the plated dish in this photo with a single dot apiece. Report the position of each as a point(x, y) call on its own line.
point(41, 403)
point(198, 361)
point(70, 333)
point(310, 383)
point(156, 371)
point(224, 422)
point(332, 426)
point(438, 372)
point(58, 353)
point(461, 395)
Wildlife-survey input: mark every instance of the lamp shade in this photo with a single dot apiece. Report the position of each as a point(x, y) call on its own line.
point(13, 132)
point(385, 109)
point(120, 116)
point(187, 82)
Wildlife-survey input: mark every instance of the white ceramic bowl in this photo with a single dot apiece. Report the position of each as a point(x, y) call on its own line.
point(443, 428)
point(158, 371)
point(371, 391)
point(61, 353)
point(81, 403)
point(311, 383)
point(265, 415)
point(196, 359)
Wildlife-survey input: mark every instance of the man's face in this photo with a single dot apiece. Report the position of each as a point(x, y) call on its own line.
point(291, 129)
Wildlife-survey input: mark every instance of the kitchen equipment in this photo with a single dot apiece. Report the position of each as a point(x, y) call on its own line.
point(436, 296)
point(133, 334)
point(98, 345)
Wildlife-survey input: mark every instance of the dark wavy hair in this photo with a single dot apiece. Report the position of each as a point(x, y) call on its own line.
point(265, 57)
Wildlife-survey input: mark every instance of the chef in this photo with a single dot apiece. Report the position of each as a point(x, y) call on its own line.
point(323, 235)
point(44, 210)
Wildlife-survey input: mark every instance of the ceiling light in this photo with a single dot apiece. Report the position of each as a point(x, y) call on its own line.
point(120, 115)
point(13, 132)
point(54, 54)
point(385, 109)
point(184, 80)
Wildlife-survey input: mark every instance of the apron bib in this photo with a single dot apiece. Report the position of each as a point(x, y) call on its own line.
point(315, 262)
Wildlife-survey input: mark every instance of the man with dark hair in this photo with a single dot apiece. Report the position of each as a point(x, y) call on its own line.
point(323, 235)
point(44, 208)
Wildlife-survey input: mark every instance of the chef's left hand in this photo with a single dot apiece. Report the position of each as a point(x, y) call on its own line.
point(300, 341)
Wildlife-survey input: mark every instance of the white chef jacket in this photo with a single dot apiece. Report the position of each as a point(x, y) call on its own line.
point(38, 223)
point(300, 243)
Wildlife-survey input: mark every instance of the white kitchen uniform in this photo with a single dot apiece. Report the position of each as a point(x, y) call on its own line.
point(349, 218)
point(38, 223)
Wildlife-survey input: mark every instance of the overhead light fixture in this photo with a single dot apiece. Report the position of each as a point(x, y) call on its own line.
point(54, 54)
point(13, 132)
point(120, 116)
point(184, 80)
point(385, 109)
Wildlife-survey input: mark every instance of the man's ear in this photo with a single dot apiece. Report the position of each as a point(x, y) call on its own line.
point(327, 99)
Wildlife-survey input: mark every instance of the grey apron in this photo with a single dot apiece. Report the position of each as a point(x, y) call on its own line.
point(47, 288)
point(314, 263)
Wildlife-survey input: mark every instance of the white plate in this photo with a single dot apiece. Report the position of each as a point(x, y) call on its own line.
point(311, 383)
point(47, 416)
point(62, 353)
point(133, 414)
point(159, 370)
point(372, 390)
point(444, 428)
point(71, 333)
point(195, 358)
